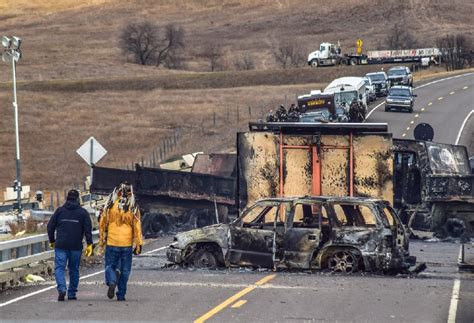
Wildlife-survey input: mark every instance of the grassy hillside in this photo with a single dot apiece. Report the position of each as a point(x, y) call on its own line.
point(74, 82)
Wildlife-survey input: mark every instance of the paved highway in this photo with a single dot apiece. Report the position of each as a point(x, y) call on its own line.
point(444, 104)
point(161, 293)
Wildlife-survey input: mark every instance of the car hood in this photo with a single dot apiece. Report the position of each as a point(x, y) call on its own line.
point(212, 233)
point(377, 82)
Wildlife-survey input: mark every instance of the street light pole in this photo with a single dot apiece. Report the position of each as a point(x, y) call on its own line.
point(12, 54)
point(17, 140)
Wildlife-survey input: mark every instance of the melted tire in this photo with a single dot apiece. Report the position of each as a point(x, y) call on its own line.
point(343, 261)
point(204, 259)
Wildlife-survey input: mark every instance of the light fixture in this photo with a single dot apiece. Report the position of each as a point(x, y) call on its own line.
point(6, 42)
point(15, 42)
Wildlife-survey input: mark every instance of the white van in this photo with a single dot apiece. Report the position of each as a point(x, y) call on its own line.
point(347, 89)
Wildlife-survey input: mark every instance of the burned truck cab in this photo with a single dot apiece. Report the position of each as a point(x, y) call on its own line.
point(433, 187)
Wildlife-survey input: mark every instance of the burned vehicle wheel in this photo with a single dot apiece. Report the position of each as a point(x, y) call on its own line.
point(455, 228)
point(343, 262)
point(205, 259)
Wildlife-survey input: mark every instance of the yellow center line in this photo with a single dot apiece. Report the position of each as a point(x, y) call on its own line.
point(239, 303)
point(464, 88)
point(451, 93)
point(417, 115)
point(440, 98)
point(233, 299)
point(408, 128)
point(431, 103)
point(422, 109)
point(412, 122)
point(404, 135)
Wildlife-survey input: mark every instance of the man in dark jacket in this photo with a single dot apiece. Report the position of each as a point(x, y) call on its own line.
point(71, 223)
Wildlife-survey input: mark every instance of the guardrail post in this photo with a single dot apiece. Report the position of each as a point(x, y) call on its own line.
point(36, 248)
point(5, 255)
point(22, 251)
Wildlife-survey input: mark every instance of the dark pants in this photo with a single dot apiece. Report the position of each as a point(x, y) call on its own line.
point(73, 259)
point(118, 258)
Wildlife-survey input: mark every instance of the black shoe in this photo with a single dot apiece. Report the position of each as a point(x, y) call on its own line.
point(72, 298)
point(121, 299)
point(111, 291)
point(61, 296)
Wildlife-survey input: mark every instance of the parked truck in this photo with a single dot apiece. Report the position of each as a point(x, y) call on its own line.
point(330, 54)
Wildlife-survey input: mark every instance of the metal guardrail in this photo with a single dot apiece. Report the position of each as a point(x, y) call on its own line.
point(24, 251)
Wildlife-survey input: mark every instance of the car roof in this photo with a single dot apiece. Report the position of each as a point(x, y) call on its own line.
point(397, 68)
point(403, 87)
point(324, 199)
point(373, 73)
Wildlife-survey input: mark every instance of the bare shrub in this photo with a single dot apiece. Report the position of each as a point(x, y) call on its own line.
point(171, 47)
point(214, 55)
point(289, 54)
point(31, 225)
point(245, 63)
point(399, 37)
point(456, 51)
point(143, 42)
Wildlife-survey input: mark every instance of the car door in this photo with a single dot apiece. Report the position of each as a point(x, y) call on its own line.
point(304, 233)
point(252, 236)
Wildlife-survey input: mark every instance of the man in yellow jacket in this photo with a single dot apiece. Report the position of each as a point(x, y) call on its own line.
point(120, 233)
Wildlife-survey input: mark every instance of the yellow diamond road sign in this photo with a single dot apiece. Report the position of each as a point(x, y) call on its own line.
point(91, 151)
point(359, 42)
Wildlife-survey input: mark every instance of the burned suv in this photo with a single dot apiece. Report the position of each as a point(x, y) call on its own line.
point(340, 234)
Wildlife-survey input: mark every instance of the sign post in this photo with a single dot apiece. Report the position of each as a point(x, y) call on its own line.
point(91, 151)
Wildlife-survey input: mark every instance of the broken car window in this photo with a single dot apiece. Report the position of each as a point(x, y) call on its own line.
point(307, 215)
point(354, 215)
point(260, 215)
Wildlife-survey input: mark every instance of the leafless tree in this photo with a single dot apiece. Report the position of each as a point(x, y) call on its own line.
point(400, 37)
point(140, 40)
point(213, 54)
point(245, 63)
point(456, 51)
point(288, 54)
point(145, 44)
point(171, 45)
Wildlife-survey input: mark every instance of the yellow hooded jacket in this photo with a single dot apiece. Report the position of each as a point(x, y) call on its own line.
point(119, 228)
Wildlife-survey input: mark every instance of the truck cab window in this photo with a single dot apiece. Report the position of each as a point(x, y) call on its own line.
point(261, 215)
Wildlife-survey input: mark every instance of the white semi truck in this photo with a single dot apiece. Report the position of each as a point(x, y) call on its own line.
point(330, 54)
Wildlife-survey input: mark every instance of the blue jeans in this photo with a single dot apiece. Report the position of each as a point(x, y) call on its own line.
point(73, 259)
point(118, 258)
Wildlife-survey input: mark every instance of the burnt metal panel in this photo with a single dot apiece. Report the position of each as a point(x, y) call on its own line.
point(373, 166)
point(106, 179)
point(334, 157)
point(215, 164)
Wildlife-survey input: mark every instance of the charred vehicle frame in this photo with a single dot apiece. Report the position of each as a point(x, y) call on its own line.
point(340, 234)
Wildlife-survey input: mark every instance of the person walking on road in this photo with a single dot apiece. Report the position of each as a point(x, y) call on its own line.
point(71, 223)
point(121, 235)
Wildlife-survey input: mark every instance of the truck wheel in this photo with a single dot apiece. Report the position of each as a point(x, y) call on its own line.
point(455, 228)
point(386, 109)
point(314, 62)
point(343, 262)
point(155, 224)
point(410, 110)
point(353, 61)
point(205, 259)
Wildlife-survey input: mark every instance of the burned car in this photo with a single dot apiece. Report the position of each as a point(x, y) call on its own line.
point(339, 234)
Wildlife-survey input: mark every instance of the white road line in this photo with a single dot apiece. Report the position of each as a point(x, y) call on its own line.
point(419, 87)
point(453, 307)
point(54, 286)
point(375, 108)
point(462, 127)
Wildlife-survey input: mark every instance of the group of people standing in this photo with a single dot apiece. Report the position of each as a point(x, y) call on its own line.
point(119, 235)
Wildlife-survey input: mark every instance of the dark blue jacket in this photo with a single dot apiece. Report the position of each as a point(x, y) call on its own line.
point(71, 223)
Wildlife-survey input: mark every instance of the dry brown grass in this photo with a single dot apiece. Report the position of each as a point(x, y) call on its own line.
point(74, 83)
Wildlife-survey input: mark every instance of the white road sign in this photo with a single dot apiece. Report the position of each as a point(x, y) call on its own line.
point(91, 151)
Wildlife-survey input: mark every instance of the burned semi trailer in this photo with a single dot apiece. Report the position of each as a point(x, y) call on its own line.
point(296, 159)
point(434, 187)
point(172, 200)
